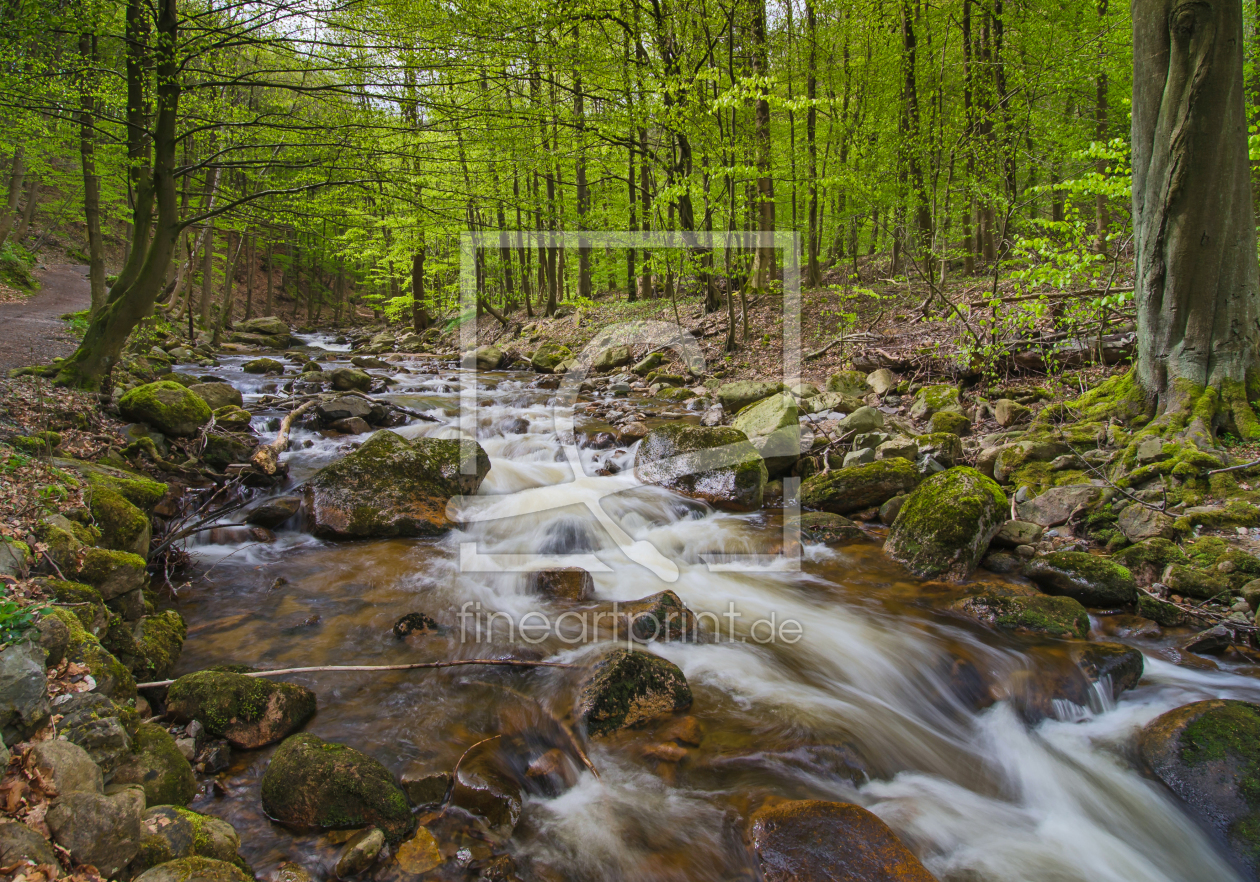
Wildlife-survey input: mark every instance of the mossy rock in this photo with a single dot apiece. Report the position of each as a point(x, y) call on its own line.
point(393, 487)
point(944, 447)
point(773, 427)
point(1208, 753)
point(159, 639)
point(61, 540)
point(844, 491)
point(166, 406)
point(626, 688)
point(112, 573)
point(718, 465)
point(195, 869)
point(171, 832)
point(144, 493)
point(232, 418)
point(38, 444)
point(1060, 617)
point(849, 383)
point(315, 783)
point(549, 356)
point(1093, 580)
point(1160, 612)
point(218, 395)
point(1147, 559)
point(1193, 582)
point(931, 400)
point(263, 366)
point(111, 676)
point(734, 397)
point(157, 765)
point(945, 526)
point(123, 526)
point(827, 528)
point(224, 450)
point(675, 393)
point(250, 712)
point(949, 421)
point(1017, 457)
point(121, 642)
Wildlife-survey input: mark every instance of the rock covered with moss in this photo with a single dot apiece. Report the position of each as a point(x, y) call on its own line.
point(112, 677)
point(315, 783)
point(123, 526)
point(1049, 616)
point(1208, 753)
point(716, 464)
point(393, 487)
point(1093, 580)
point(931, 400)
point(945, 526)
point(263, 366)
point(734, 397)
point(250, 712)
point(159, 640)
point(195, 869)
point(157, 766)
point(772, 425)
point(170, 832)
point(844, 491)
point(827, 528)
point(166, 406)
point(217, 395)
point(626, 688)
point(112, 573)
point(549, 356)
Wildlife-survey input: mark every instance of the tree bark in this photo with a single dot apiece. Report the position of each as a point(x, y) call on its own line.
point(1198, 313)
point(16, 176)
point(420, 319)
point(91, 180)
point(28, 212)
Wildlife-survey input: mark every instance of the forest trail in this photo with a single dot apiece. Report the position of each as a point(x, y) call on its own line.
point(33, 329)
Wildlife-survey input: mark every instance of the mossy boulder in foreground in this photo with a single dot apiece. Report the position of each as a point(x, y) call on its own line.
point(123, 526)
point(808, 840)
point(166, 406)
point(315, 783)
point(249, 712)
point(194, 869)
point(170, 832)
point(716, 464)
point(1208, 753)
point(628, 687)
point(157, 765)
point(945, 526)
point(844, 491)
point(1093, 580)
point(392, 487)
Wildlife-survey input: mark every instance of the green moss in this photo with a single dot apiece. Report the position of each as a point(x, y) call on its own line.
point(136, 489)
point(1162, 613)
point(73, 592)
point(1231, 734)
point(123, 526)
point(848, 383)
point(221, 698)
point(111, 676)
point(1154, 554)
point(1235, 513)
point(159, 639)
point(158, 767)
point(842, 491)
point(101, 565)
point(1121, 396)
point(945, 525)
point(1060, 617)
point(627, 688)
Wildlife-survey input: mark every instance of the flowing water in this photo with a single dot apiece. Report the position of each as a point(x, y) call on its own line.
point(867, 704)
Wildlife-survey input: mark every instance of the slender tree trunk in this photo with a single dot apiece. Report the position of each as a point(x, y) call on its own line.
point(1197, 279)
point(420, 319)
point(270, 277)
point(17, 174)
point(28, 213)
point(813, 272)
point(1102, 217)
point(249, 276)
point(207, 278)
point(764, 269)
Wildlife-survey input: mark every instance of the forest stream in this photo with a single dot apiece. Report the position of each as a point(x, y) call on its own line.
point(877, 703)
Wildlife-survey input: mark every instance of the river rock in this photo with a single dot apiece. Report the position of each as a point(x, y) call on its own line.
point(110, 572)
point(392, 487)
point(170, 832)
point(844, 491)
point(863, 419)
point(54, 637)
point(627, 687)
point(813, 841)
point(359, 853)
point(414, 622)
point(159, 639)
point(1052, 616)
point(548, 357)
point(1114, 663)
point(945, 526)
point(96, 829)
point(426, 787)
point(1057, 504)
point(66, 765)
point(19, 843)
point(123, 526)
point(1137, 522)
point(485, 787)
point(267, 325)
point(848, 383)
point(1012, 457)
point(157, 765)
point(195, 869)
point(716, 464)
point(343, 407)
point(1093, 580)
point(734, 397)
point(650, 362)
point(773, 427)
point(263, 366)
point(932, 399)
point(274, 511)
point(483, 358)
point(24, 707)
point(346, 379)
point(112, 677)
point(100, 727)
point(821, 526)
point(661, 616)
point(949, 422)
point(315, 783)
point(217, 395)
point(250, 712)
point(1009, 412)
point(568, 583)
point(881, 381)
point(170, 408)
point(1208, 753)
point(611, 358)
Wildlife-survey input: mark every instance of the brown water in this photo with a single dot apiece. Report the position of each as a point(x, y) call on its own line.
point(878, 701)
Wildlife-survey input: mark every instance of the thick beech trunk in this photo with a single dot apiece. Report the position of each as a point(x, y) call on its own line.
point(1198, 311)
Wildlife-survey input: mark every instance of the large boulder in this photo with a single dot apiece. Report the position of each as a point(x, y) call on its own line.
point(170, 832)
point(250, 712)
point(660, 616)
point(343, 407)
point(168, 407)
point(1051, 616)
point(315, 783)
point(1057, 504)
point(96, 829)
point(734, 397)
point(347, 379)
point(483, 358)
point(263, 366)
point(549, 356)
point(849, 383)
point(1093, 580)
point(157, 766)
point(217, 395)
point(773, 427)
point(716, 464)
point(1208, 753)
point(933, 399)
point(626, 688)
point(273, 511)
point(612, 357)
point(24, 707)
point(393, 487)
point(945, 526)
point(1138, 522)
point(123, 526)
point(195, 869)
point(813, 841)
point(100, 727)
point(267, 325)
point(844, 491)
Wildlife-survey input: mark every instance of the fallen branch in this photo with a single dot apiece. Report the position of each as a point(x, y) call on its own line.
point(1236, 468)
point(1057, 295)
point(864, 336)
point(267, 456)
point(503, 662)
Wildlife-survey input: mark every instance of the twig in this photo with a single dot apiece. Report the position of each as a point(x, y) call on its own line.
point(1236, 468)
point(503, 662)
point(56, 569)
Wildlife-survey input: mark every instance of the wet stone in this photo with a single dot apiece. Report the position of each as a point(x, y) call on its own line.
point(567, 583)
point(415, 622)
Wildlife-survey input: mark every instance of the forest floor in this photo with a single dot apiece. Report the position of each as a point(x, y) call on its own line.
point(34, 332)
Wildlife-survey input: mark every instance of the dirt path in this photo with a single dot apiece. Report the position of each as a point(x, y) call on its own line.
point(32, 331)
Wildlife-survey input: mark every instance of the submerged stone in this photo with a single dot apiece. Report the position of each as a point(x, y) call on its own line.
point(1051, 616)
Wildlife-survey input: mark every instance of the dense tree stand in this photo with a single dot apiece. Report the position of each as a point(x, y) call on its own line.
point(1198, 314)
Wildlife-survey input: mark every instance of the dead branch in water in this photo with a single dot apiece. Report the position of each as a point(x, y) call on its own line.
point(504, 662)
point(267, 455)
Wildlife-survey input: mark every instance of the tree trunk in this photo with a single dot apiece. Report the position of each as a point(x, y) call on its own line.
point(91, 180)
point(28, 213)
point(16, 176)
point(763, 270)
point(1198, 312)
point(813, 273)
point(420, 319)
point(207, 277)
